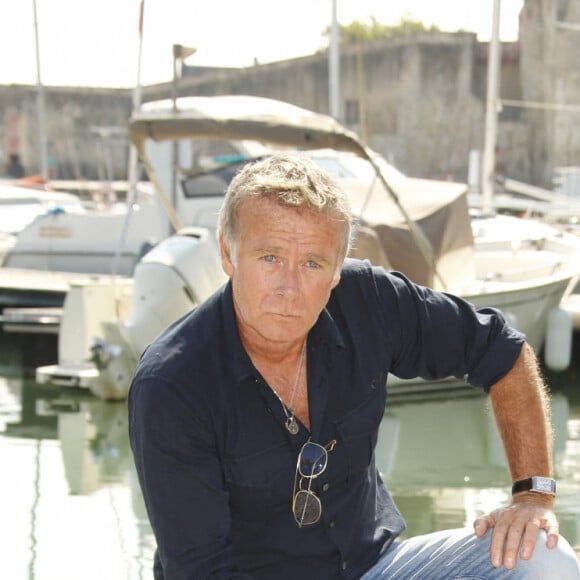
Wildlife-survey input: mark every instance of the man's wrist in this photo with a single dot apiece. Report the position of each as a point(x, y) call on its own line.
point(537, 499)
point(536, 484)
point(535, 490)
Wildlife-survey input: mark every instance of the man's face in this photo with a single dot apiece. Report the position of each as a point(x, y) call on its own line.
point(286, 263)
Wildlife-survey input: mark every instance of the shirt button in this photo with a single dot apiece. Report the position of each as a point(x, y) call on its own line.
point(331, 524)
point(325, 486)
point(343, 565)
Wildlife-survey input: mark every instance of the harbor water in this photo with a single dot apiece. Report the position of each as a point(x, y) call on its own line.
point(71, 507)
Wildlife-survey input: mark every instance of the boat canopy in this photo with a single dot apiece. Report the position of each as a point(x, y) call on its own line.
point(239, 117)
point(411, 225)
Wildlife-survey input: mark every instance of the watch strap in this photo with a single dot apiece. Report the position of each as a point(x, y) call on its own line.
point(536, 484)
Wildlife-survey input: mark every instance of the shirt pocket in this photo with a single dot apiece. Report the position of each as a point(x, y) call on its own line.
point(261, 482)
point(359, 431)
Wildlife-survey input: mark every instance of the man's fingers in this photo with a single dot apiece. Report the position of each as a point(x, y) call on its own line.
point(515, 531)
point(528, 542)
point(482, 524)
point(553, 535)
point(518, 535)
point(511, 538)
point(498, 543)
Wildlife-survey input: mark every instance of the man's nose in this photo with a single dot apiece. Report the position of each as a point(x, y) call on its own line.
point(288, 281)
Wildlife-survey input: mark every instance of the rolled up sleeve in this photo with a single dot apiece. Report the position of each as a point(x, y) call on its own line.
point(437, 335)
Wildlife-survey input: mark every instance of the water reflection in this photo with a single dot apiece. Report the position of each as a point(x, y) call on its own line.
point(72, 507)
point(450, 442)
point(92, 434)
point(94, 446)
point(445, 464)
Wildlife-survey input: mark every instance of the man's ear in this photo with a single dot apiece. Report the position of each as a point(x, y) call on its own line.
point(335, 280)
point(227, 262)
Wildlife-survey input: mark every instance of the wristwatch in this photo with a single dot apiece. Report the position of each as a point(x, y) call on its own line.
point(537, 484)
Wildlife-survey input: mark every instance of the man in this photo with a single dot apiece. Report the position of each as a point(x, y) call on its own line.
point(253, 419)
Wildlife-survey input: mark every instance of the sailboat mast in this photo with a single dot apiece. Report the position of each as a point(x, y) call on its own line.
point(490, 138)
point(40, 104)
point(133, 159)
point(133, 163)
point(334, 66)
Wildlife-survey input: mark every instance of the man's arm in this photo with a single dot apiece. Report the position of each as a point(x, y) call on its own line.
point(522, 413)
point(182, 483)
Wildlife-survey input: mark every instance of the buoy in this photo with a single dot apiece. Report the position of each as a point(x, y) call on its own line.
point(558, 343)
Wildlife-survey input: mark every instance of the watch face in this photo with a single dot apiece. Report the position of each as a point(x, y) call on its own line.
point(543, 485)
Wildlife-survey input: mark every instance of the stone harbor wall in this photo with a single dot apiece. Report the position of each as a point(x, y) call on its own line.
point(419, 100)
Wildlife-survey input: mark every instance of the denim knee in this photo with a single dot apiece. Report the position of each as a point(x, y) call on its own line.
point(560, 562)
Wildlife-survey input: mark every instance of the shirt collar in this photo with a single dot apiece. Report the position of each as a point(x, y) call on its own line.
point(323, 339)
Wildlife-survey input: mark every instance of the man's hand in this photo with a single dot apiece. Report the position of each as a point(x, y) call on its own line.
point(522, 413)
point(516, 527)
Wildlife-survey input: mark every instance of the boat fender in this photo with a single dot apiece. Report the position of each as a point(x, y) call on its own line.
point(558, 343)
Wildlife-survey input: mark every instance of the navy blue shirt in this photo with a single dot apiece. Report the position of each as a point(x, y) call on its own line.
point(216, 465)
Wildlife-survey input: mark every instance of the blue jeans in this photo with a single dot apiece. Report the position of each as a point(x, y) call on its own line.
point(461, 555)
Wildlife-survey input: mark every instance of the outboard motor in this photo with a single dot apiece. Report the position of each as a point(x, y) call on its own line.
point(176, 275)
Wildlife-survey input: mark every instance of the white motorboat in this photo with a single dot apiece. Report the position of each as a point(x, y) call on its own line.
point(50, 239)
point(521, 199)
point(420, 227)
point(55, 232)
point(21, 202)
point(92, 240)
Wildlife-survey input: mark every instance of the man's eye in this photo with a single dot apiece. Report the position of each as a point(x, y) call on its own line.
point(268, 258)
point(312, 264)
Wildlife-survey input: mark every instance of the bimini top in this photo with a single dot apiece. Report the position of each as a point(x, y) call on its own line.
point(240, 117)
point(277, 124)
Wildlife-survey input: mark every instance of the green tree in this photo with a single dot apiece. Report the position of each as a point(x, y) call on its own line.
point(359, 31)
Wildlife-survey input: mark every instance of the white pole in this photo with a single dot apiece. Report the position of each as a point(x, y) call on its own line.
point(133, 160)
point(133, 165)
point(490, 139)
point(174, 145)
point(40, 105)
point(334, 66)
point(473, 174)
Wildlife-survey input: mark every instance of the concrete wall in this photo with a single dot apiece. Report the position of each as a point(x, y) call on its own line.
point(86, 130)
point(413, 99)
point(550, 58)
point(418, 100)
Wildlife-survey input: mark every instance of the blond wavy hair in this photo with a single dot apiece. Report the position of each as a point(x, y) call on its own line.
point(293, 180)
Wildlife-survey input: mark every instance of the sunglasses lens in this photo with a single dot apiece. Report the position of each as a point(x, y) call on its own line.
point(312, 460)
point(307, 508)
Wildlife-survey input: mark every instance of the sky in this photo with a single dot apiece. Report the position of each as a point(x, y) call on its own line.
point(96, 42)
